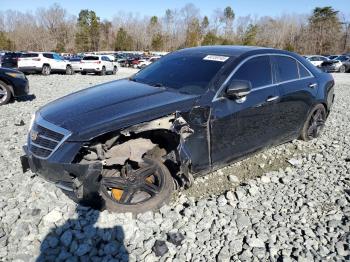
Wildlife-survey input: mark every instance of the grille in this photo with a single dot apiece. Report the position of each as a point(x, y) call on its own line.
point(45, 138)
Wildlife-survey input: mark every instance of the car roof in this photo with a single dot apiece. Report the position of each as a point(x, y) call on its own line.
point(228, 50)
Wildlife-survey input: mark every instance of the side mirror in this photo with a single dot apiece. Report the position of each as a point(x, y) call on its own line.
point(238, 89)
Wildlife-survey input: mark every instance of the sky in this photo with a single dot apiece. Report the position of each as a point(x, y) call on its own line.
point(106, 9)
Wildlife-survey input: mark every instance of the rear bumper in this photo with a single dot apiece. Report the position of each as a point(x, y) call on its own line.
point(30, 69)
point(80, 180)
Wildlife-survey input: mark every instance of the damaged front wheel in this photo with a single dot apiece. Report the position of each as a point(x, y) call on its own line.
point(137, 189)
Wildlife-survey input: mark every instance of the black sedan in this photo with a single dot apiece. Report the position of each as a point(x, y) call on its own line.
point(13, 84)
point(123, 145)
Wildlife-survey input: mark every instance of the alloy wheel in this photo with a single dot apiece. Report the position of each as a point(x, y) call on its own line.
point(316, 123)
point(3, 94)
point(134, 185)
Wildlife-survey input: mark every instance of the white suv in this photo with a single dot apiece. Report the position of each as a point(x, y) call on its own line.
point(44, 63)
point(98, 64)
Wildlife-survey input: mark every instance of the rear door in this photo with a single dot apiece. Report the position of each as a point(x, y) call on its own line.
point(297, 88)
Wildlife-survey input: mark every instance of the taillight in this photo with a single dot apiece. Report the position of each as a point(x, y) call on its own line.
point(18, 59)
point(98, 62)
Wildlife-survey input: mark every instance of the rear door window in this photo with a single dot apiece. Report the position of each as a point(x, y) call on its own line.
point(47, 55)
point(29, 55)
point(90, 58)
point(256, 70)
point(287, 68)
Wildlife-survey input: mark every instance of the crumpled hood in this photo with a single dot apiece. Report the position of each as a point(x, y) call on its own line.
point(111, 106)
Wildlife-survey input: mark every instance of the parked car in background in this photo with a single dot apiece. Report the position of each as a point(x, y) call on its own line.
point(147, 61)
point(124, 144)
point(98, 64)
point(331, 57)
point(13, 84)
point(10, 59)
point(114, 60)
point(44, 63)
point(316, 60)
point(338, 64)
point(75, 63)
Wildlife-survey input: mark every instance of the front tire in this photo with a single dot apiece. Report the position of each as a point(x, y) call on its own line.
point(5, 93)
point(314, 123)
point(137, 191)
point(115, 69)
point(46, 70)
point(83, 72)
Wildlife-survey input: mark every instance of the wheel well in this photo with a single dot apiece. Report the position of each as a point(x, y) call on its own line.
point(46, 64)
point(9, 84)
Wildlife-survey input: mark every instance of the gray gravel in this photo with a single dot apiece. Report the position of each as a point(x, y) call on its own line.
point(298, 212)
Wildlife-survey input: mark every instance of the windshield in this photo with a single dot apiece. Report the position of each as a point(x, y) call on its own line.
point(188, 73)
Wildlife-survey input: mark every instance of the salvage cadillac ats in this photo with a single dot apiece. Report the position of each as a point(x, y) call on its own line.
point(127, 144)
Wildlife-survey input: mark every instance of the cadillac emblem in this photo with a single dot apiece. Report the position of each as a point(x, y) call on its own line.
point(33, 135)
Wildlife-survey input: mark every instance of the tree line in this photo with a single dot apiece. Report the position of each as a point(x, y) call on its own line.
point(324, 31)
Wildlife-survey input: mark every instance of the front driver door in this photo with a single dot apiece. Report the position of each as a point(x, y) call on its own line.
point(239, 127)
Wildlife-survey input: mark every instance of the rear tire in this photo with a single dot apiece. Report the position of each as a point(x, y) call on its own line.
point(342, 69)
point(69, 70)
point(46, 70)
point(103, 71)
point(164, 190)
point(5, 93)
point(115, 69)
point(83, 73)
point(314, 123)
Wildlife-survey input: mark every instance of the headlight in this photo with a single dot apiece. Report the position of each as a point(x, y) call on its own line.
point(16, 75)
point(31, 122)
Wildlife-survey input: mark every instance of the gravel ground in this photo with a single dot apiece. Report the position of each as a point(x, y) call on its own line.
point(289, 203)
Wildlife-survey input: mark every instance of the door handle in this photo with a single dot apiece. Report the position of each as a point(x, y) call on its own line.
point(313, 85)
point(272, 98)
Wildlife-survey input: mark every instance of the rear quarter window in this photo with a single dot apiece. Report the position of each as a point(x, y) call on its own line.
point(302, 71)
point(287, 68)
point(50, 56)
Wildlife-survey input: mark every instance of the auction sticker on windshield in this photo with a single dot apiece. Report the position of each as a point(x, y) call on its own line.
point(217, 58)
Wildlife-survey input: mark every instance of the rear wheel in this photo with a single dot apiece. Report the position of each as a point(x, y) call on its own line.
point(314, 123)
point(103, 71)
point(46, 70)
point(342, 69)
point(69, 70)
point(137, 189)
point(83, 73)
point(5, 93)
point(115, 69)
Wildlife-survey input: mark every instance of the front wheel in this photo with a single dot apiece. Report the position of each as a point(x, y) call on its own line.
point(5, 93)
point(137, 189)
point(314, 123)
point(115, 69)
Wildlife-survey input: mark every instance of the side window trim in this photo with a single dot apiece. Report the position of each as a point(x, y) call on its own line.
point(219, 95)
